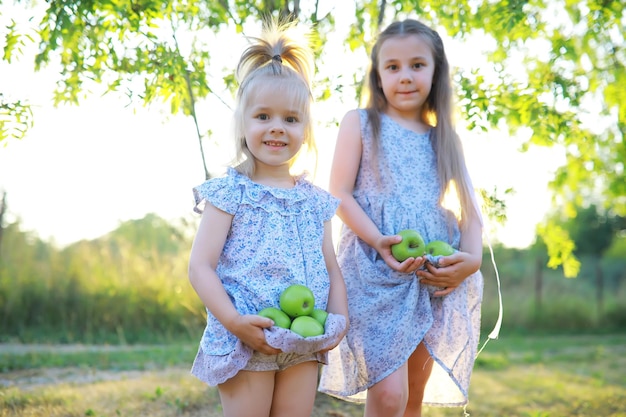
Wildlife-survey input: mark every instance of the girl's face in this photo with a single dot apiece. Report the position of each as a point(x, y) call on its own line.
point(274, 128)
point(406, 67)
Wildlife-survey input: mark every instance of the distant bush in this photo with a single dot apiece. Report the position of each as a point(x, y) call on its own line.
point(565, 305)
point(127, 287)
point(131, 286)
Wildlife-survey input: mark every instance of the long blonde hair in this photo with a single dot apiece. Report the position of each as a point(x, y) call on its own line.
point(437, 112)
point(284, 61)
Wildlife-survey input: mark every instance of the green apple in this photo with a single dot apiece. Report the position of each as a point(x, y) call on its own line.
point(411, 246)
point(439, 248)
point(320, 315)
point(297, 300)
point(306, 326)
point(280, 318)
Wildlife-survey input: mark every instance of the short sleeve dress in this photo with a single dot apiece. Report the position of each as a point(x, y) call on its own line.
point(275, 240)
point(390, 312)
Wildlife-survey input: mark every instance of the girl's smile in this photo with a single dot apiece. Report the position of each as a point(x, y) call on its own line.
point(406, 67)
point(275, 144)
point(274, 129)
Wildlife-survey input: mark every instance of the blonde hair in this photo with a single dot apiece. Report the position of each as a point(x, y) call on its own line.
point(436, 112)
point(280, 59)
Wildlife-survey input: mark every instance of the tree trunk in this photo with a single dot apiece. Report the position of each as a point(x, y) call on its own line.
point(381, 13)
point(599, 288)
point(538, 284)
point(3, 207)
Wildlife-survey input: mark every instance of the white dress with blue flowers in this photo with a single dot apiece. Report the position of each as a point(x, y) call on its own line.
point(390, 312)
point(275, 240)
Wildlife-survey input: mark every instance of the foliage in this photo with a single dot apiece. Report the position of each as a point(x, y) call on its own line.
point(555, 70)
point(15, 119)
point(126, 287)
point(591, 231)
point(131, 286)
point(569, 305)
point(16, 116)
point(560, 249)
point(618, 248)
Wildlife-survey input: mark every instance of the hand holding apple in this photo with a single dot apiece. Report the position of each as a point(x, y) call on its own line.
point(297, 302)
point(280, 318)
point(411, 246)
point(306, 337)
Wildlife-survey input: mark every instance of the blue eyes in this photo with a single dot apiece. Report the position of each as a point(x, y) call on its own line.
point(288, 119)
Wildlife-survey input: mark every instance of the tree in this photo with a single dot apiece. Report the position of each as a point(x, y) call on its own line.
point(15, 119)
point(538, 251)
point(556, 70)
point(3, 209)
point(593, 233)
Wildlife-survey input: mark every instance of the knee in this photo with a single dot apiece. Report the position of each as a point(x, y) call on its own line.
point(388, 400)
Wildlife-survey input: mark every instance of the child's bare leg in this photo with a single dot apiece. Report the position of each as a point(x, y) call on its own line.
point(388, 397)
point(294, 390)
point(247, 394)
point(420, 366)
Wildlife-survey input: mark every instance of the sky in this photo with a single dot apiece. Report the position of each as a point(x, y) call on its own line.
point(83, 170)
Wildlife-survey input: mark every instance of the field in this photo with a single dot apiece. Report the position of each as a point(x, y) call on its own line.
point(515, 376)
point(109, 328)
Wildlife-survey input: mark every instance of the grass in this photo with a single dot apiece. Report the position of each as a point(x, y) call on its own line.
point(515, 376)
point(105, 357)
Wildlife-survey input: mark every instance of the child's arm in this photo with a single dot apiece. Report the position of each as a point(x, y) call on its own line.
point(345, 167)
point(455, 268)
point(205, 252)
point(337, 296)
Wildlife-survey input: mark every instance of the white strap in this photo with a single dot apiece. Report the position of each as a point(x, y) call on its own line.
point(496, 329)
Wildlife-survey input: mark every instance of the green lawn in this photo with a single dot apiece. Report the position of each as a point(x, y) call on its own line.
point(532, 376)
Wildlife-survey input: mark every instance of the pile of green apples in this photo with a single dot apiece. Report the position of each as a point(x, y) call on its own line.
point(413, 246)
point(297, 312)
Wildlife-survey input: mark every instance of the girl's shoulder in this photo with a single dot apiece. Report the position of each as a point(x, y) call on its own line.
point(362, 114)
point(357, 114)
point(358, 120)
point(223, 192)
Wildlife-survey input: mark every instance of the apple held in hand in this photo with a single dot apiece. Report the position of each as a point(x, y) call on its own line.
point(439, 248)
point(411, 246)
point(297, 300)
point(320, 315)
point(307, 326)
point(280, 318)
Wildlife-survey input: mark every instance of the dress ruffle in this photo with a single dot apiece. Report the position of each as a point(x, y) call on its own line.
point(220, 193)
point(214, 370)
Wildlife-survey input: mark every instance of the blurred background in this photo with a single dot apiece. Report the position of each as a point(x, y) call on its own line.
point(111, 113)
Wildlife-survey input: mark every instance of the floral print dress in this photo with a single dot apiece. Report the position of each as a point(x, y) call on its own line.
point(275, 240)
point(391, 312)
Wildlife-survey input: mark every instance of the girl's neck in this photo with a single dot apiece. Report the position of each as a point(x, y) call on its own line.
point(411, 121)
point(277, 177)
